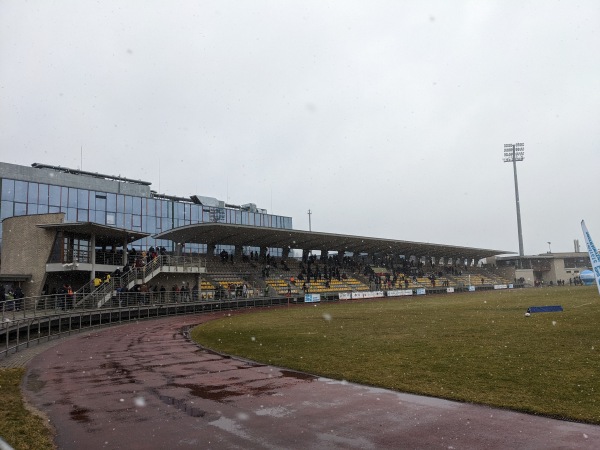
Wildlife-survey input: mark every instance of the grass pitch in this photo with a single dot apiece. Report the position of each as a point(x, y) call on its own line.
point(21, 429)
point(475, 347)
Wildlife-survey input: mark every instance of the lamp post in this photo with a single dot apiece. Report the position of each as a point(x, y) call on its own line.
point(514, 153)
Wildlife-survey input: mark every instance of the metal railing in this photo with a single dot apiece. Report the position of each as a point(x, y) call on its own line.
point(90, 295)
point(42, 319)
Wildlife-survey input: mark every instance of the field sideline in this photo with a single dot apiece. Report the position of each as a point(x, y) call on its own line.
point(474, 347)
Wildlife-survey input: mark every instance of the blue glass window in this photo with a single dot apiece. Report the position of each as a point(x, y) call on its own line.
point(151, 207)
point(72, 198)
point(136, 207)
point(6, 209)
point(43, 194)
point(54, 196)
point(128, 204)
point(120, 203)
point(111, 202)
point(32, 193)
point(21, 191)
point(71, 214)
point(8, 190)
point(83, 198)
point(136, 221)
point(64, 197)
point(82, 215)
point(20, 209)
point(100, 202)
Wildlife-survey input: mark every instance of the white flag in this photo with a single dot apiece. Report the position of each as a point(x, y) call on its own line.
point(593, 251)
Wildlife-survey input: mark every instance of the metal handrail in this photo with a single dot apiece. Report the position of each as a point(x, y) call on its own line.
point(23, 328)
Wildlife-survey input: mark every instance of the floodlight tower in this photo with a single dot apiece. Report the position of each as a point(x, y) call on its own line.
point(514, 153)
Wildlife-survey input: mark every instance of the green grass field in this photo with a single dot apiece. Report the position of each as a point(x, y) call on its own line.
point(475, 347)
point(21, 429)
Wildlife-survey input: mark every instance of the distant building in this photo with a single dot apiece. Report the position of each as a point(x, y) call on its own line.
point(117, 201)
point(546, 268)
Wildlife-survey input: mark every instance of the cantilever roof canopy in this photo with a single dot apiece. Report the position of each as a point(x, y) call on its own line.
point(105, 235)
point(244, 235)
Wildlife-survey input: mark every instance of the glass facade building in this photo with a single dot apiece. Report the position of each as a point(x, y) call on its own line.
point(86, 197)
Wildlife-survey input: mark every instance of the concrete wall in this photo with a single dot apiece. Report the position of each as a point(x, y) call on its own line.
point(26, 248)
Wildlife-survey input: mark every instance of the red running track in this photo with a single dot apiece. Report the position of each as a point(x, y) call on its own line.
point(144, 386)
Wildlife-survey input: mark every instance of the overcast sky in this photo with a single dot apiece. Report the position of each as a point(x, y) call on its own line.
point(384, 118)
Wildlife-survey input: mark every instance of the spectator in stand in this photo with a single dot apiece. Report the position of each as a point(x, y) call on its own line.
point(70, 297)
point(18, 294)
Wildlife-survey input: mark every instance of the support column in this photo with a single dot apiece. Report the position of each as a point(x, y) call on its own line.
point(93, 256)
point(285, 252)
point(125, 252)
point(305, 255)
point(210, 249)
point(199, 284)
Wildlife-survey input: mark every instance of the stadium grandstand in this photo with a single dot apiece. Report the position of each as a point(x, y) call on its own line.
point(104, 238)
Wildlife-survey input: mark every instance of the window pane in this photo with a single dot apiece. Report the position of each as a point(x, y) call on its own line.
point(100, 202)
point(43, 196)
point(8, 189)
point(128, 204)
point(111, 202)
point(54, 195)
point(20, 209)
point(110, 218)
point(100, 217)
point(83, 198)
point(72, 198)
point(6, 209)
point(82, 215)
point(151, 205)
point(71, 215)
point(136, 220)
point(136, 205)
point(120, 203)
point(54, 209)
point(21, 191)
point(64, 197)
point(42, 209)
point(33, 193)
point(32, 208)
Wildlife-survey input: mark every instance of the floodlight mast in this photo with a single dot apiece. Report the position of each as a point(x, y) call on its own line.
point(514, 153)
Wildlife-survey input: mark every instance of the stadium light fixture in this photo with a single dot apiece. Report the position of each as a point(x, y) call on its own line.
point(514, 153)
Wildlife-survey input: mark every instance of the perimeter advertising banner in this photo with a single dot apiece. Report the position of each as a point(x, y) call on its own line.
point(593, 251)
point(450, 290)
point(345, 295)
point(500, 286)
point(312, 298)
point(421, 291)
point(399, 292)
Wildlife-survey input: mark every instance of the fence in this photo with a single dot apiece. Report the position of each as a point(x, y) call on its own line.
point(22, 328)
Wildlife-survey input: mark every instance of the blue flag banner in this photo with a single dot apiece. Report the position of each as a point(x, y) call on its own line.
point(593, 251)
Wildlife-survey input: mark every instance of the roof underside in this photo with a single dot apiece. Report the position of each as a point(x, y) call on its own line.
point(104, 234)
point(244, 235)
